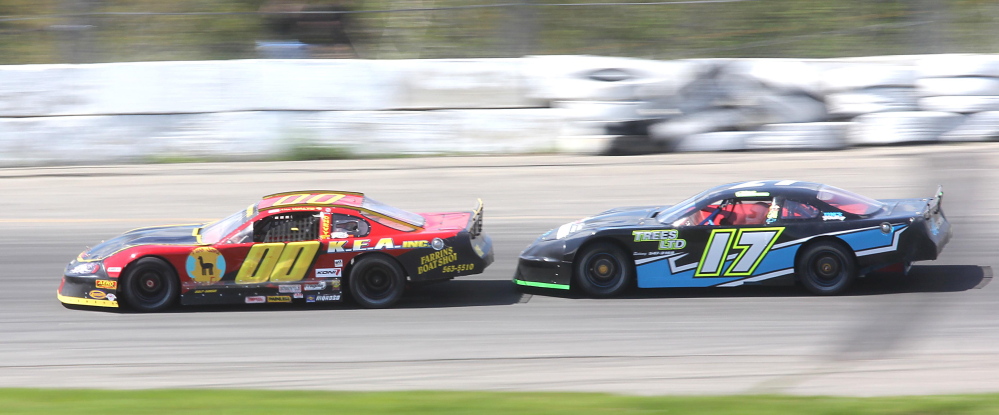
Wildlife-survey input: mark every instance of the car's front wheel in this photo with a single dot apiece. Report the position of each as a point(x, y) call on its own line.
point(149, 284)
point(376, 282)
point(826, 268)
point(603, 270)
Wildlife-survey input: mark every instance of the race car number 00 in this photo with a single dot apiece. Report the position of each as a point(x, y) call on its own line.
point(277, 262)
point(752, 243)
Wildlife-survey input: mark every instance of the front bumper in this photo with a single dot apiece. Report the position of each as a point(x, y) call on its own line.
point(89, 291)
point(543, 273)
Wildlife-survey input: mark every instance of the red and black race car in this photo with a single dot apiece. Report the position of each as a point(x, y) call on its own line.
point(305, 246)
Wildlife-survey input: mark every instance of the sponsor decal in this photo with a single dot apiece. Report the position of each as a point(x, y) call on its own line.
point(325, 225)
point(458, 268)
point(256, 299)
point(114, 269)
point(97, 294)
point(107, 284)
point(277, 262)
point(668, 239)
point(415, 244)
point(338, 263)
point(311, 298)
point(381, 244)
point(289, 288)
point(205, 291)
point(329, 272)
point(654, 253)
point(436, 260)
point(205, 265)
point(297, 295)
point(328, 297)
point(279, 299)
point(335, 283)
point(112, 297)
point(833, 216)
point(316, 287)
point(772, 213)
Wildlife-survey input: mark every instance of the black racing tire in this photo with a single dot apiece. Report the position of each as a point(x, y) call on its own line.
point(149, 284)
point(376, 282)
point(603, 270)
point(826, 268)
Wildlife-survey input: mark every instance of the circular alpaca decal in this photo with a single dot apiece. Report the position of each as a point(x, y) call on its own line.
point(205, 264)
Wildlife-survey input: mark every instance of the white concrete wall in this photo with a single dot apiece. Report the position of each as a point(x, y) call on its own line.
point(265, 109)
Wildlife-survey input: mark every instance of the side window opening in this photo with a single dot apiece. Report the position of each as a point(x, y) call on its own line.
point(747, 212)
point(794, 210)
point(288, 227)
point(351, 225)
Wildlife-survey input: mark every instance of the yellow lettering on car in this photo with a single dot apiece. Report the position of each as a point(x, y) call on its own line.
point(332, 198)
point(277, 262)
point(385, 243)
point(295, 261)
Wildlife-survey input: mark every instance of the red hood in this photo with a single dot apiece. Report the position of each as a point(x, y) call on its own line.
point(446, 220)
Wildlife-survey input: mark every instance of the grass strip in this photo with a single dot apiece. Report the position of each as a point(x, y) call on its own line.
point(246, 402)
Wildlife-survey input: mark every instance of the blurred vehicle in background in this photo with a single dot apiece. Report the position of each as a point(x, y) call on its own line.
point(289, 247)
point(758, 232)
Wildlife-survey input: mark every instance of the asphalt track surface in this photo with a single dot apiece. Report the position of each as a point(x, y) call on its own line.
point(935, 331)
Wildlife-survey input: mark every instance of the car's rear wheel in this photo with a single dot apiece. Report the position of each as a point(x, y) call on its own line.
point(376, 282)
point(603, 270)
point(150, 284)
point(826, 268)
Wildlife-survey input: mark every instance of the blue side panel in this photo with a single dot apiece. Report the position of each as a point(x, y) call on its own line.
point(657, 275)
point(870, 238)
point(777, 259)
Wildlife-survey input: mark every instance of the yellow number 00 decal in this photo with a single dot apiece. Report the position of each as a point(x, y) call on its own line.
point(277, 262)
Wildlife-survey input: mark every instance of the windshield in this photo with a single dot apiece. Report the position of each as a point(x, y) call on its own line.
point(381, 208)
point(681, 209)
point(849, 202)
point(215, 231)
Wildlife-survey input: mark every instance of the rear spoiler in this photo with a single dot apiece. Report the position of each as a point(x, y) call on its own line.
point(475, 223)
point(933, 206)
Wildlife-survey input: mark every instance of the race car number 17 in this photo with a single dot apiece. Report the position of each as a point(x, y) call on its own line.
point(749, 245)
point(277, 262)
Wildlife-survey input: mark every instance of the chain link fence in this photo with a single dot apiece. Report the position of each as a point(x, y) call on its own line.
point(86, 31)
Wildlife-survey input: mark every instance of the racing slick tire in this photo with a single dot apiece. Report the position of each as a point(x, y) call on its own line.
point(376, 282)
point(825, 268)
point(603, 270)
point(149, 285)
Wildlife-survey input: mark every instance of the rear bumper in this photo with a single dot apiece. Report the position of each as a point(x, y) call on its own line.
point(89, 291)
point(463, 256)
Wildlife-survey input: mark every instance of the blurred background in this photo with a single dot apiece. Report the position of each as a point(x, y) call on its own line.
point(87, 31)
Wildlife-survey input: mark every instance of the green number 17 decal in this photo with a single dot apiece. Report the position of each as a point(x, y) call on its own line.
point(751, 244)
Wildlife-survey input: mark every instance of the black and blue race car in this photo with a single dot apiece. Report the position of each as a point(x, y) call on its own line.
point(757, 232)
